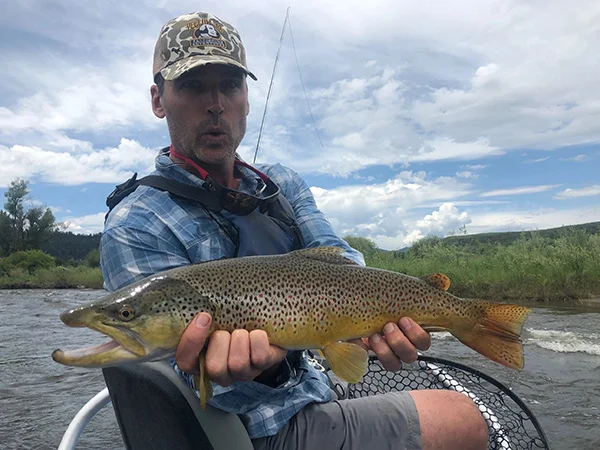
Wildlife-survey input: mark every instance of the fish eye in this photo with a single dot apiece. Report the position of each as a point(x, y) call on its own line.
point(126, 313)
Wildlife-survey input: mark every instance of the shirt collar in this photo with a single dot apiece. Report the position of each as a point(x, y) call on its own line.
point(166, 168)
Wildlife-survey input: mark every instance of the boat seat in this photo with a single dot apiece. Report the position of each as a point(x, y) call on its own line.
point(156, 410)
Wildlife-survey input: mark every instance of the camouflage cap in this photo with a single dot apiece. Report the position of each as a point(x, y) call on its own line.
point(196, 39)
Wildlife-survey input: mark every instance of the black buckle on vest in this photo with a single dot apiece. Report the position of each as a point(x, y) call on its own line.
point(121, 191)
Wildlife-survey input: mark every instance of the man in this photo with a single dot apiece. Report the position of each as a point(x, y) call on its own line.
point(200, 73)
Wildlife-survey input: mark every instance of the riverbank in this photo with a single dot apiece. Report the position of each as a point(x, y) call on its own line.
point(78, 277)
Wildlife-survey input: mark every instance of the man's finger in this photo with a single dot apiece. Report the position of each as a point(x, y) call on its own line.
point(239, 363)
point(217, 357)
point(384, 353)
point(399, 343)
point(192, 341)
point(415, 334)
point(261, 355)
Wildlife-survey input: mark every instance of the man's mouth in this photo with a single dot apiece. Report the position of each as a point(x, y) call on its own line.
point(215, 132)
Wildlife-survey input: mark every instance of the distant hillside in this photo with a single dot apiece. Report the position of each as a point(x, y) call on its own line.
point(511, 236)
point(70, 246)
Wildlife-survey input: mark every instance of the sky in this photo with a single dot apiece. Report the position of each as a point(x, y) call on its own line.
point(406, 118)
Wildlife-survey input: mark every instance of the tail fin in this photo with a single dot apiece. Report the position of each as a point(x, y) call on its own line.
point(497, 334)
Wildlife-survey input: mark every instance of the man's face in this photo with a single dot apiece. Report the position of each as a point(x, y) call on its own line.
point(206, 111)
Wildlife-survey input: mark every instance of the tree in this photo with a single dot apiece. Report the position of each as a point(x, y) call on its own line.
point(92, 259)
point(5, 233)
point(21, 228)
point(15, 196)
point(40, 224)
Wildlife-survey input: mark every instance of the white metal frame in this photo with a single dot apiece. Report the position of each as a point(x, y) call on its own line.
point(81, 419)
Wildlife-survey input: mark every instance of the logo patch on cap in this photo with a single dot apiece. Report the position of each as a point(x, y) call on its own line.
point(206, 32)
point(194, 39)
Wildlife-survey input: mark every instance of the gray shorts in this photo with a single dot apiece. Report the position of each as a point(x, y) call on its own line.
point(389, 421)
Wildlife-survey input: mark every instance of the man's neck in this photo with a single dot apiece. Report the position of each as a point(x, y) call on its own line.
point(224, 173)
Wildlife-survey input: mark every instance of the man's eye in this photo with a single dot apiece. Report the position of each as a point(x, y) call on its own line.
point(191, 84)
point(230, 84)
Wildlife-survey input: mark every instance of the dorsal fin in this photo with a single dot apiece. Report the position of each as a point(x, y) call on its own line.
point(438, 280)
point(332, 255)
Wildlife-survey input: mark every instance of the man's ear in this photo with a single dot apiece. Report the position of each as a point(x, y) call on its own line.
point(247, 100)
point(157, 107)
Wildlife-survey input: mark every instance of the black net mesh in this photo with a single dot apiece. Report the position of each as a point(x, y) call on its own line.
point(511, 424)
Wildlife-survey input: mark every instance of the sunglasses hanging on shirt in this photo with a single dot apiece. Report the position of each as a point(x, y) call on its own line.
point(236, 202)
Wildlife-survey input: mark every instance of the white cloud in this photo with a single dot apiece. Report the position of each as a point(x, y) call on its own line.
point(467, 174)
point(519, 190)
point(477, 202)
point(89, 224)
point(108, 165)
point(91, 100)
point(446, 218)
point(577, 158)
point(575, 193)
point(475, 166)
point(441, 222)
point(537, 160)
point(538, 219)
point(387, 212)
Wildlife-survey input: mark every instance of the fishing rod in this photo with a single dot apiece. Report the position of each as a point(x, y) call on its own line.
point(288, 23)
point(287, 15)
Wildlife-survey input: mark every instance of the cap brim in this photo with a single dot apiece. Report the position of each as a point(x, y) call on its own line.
point(178, 68)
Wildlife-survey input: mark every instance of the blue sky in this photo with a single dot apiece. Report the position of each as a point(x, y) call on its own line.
point(433, 115)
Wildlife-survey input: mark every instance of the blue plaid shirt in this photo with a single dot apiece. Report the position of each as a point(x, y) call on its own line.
point(150, 231)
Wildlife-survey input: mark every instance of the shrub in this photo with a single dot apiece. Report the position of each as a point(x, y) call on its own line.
point(364, 245)
point(92, 259)
point(29, 261)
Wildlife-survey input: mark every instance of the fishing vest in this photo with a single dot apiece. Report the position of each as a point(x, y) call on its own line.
point(269, 232)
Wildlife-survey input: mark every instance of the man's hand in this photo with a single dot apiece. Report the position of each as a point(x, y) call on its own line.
point(230, 357)
point(398, 344)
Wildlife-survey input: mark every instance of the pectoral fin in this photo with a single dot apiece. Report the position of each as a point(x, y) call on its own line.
point(202, 382)
point(348, 361)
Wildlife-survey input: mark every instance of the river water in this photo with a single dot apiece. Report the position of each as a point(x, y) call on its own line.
point(38, 397)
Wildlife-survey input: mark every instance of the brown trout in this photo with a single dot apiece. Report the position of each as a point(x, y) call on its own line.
point(305, 299)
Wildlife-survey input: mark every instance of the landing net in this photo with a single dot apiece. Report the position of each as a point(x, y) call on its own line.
point(511, 425)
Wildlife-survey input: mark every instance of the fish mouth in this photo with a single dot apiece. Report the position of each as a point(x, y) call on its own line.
point(96, 356)
point(125, 345)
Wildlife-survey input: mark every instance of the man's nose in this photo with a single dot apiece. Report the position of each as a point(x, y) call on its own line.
point(215, 105)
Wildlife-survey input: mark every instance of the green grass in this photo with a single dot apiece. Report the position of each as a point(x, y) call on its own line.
point(53, 278)
point(532, 268)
